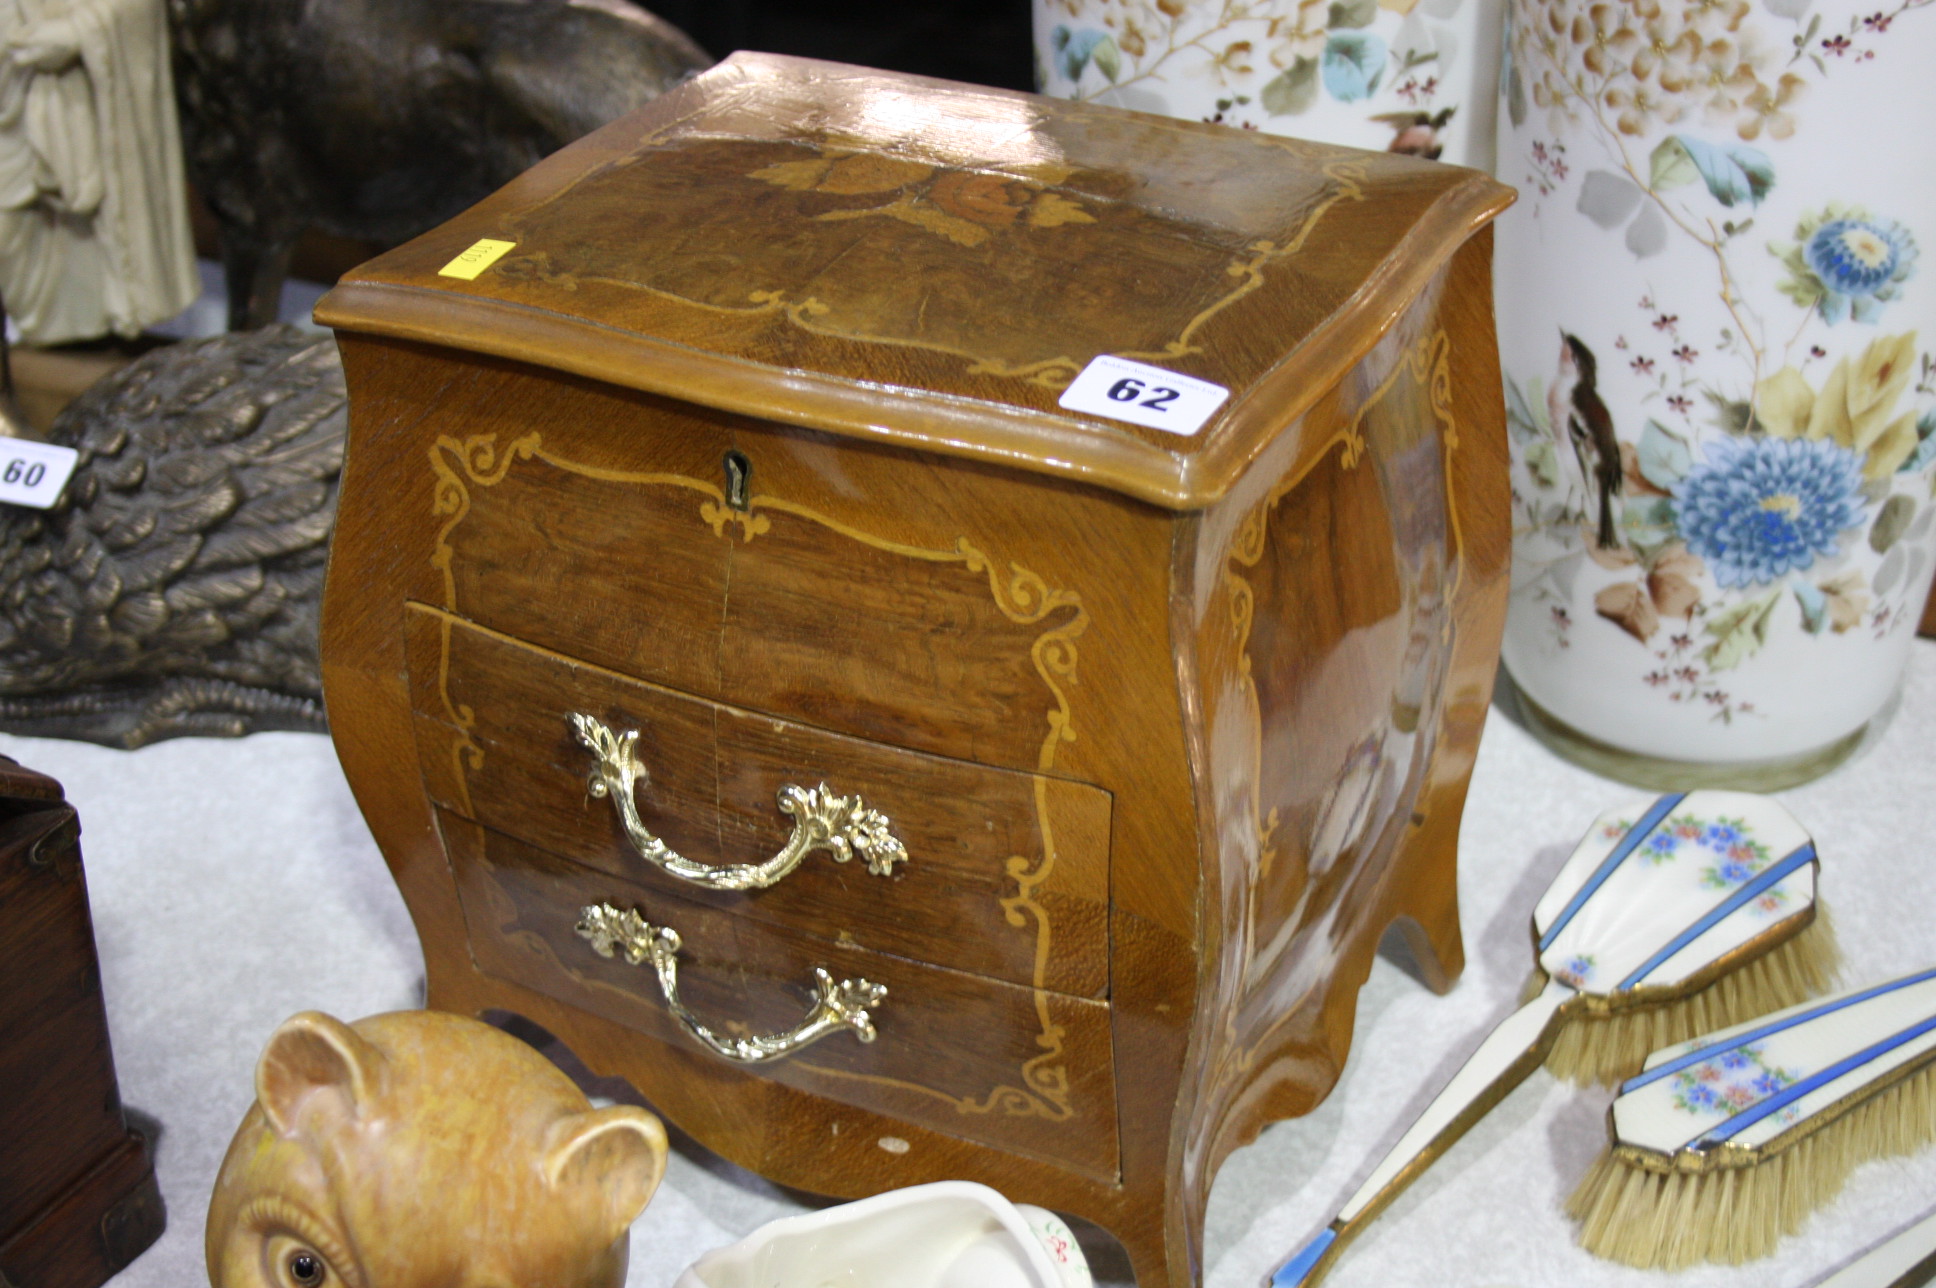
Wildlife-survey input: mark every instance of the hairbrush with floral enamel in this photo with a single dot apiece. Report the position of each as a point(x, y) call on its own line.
point(1724, 1144)
point(1692, 911)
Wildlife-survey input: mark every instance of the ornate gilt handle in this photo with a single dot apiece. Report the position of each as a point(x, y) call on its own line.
point(837, 1005)
point(842, 825)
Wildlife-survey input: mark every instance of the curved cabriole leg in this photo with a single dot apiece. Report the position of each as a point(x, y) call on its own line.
point(1423, 956)
point(1161, 1263)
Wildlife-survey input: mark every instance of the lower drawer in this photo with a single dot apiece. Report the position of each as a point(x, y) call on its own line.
point(1022, 1070)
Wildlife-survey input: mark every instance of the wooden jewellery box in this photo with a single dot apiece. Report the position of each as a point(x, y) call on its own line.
point(78, 1199)
point(728, 619)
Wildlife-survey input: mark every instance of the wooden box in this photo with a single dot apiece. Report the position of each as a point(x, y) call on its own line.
point(78, 1199)
point(749, 448)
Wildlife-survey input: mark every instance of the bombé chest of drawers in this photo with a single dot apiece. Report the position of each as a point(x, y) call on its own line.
point(755, 675)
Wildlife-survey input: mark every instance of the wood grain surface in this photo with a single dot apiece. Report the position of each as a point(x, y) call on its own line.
point(922, 250)
point(948, 1043)
point(715, 772)
point(78, 1199)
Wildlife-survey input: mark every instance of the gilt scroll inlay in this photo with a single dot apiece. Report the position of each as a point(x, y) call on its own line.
point(823, 184)
point(1426, 363)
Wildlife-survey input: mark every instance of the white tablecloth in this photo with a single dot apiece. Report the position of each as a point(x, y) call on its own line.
point(233, 883)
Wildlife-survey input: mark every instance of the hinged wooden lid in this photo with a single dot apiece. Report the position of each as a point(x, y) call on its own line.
point(20, 785)
point(929, 263)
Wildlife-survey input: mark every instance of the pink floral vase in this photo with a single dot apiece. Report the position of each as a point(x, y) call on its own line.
point(1717, 347)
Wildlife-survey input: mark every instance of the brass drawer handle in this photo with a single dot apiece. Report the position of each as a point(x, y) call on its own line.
point(841, 1005)
point(841, 825)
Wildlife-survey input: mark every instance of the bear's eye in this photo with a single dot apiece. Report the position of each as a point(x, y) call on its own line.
point(306, 1269)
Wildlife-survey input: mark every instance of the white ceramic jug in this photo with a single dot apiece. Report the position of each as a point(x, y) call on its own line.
point(951, 1234)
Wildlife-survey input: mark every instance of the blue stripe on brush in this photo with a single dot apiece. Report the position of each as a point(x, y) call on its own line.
point(1782, 1099)
point(1292, 1272)
point(1723, 910)
point(1628, 844)
point(1700, 1054)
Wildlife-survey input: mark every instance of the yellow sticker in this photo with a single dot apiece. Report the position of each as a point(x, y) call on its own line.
point(479, 257)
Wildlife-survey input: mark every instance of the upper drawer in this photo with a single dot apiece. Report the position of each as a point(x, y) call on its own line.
point(1006, 874)
point(598, 523)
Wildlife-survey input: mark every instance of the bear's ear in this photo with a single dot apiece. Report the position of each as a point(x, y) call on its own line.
point(314, 1058)
point(612, 1158)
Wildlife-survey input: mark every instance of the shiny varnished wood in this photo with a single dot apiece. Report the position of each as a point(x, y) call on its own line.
point(563, 504)
point(78, 1199)
point(949, 1041)
point(1350, 693)
point(715, 774)
point(825, 220)
point(1185, 722)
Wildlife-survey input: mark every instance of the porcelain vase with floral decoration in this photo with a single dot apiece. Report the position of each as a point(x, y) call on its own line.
point(1412, 76)
point(1717, 346)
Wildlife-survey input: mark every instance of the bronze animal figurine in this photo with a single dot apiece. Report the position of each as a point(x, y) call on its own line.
point(424, 1150)
point(379, 119)
point(175, 587)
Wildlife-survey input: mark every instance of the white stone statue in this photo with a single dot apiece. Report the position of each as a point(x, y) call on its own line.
point(94, 234)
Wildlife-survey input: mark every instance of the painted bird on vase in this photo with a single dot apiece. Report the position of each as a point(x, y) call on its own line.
point(1416, 134)
point(1580, 419)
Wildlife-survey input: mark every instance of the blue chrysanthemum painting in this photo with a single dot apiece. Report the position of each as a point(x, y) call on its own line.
point(1761, 508)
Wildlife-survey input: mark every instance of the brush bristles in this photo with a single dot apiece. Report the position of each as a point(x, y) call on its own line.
point(1609, 1048)
point(1734, 1214)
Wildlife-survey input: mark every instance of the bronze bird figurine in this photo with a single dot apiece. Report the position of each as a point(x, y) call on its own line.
point(175, 586)
point(1580, 415)
point(377, 120)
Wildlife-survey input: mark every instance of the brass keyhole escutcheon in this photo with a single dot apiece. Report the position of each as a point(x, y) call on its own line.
point(739, 475)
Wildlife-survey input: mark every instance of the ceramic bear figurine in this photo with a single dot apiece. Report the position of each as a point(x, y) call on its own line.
point(418, 1149)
